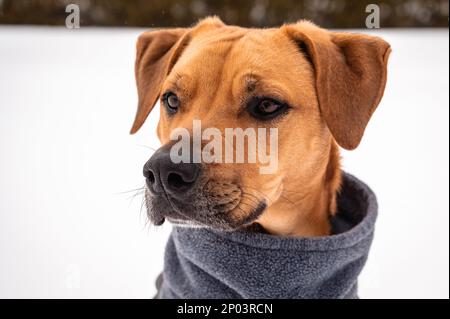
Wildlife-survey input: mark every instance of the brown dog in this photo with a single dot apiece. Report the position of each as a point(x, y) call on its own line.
point(318, 88)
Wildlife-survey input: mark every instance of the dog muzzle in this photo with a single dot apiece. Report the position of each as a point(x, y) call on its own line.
point(205, 263)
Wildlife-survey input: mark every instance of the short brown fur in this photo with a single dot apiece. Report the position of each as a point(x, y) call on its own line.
point(333, 81)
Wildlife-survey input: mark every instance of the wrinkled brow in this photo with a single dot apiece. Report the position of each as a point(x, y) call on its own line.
point(179, 82)
point(250, 84)
point(176, 81)
point(243, 85)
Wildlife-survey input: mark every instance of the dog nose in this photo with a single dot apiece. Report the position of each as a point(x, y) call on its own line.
point(162, 174)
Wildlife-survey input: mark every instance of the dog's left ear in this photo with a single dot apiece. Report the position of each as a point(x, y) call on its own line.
point(156, 52)
point(351, 72)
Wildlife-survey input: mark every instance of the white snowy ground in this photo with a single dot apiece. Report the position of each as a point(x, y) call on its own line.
point(67, 100)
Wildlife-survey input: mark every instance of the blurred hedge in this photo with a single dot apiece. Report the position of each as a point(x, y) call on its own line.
point(162, 13)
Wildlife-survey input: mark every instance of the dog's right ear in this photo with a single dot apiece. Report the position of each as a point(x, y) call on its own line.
point(157, 52)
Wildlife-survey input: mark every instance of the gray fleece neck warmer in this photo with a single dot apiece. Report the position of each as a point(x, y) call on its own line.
point(204, 263)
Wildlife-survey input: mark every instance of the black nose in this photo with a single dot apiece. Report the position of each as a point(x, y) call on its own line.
point(163, 174)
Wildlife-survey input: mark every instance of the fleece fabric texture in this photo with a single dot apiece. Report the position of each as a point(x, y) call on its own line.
point(205, 263)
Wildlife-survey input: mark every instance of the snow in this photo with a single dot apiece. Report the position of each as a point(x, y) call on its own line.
point(67, 101)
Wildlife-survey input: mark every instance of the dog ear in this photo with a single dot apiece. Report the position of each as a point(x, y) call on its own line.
point(351, 71)
point(157, 52)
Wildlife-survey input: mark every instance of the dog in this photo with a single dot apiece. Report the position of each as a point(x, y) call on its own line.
point(318, 88)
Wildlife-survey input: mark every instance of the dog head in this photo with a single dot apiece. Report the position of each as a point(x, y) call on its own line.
point(314, 87)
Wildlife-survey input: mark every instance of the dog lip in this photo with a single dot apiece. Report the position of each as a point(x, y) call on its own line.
point(160, 215)
point(159, 222)
point(179, 217)
point(255, 214)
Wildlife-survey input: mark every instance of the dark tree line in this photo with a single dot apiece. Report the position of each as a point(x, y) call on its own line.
point(163, 13)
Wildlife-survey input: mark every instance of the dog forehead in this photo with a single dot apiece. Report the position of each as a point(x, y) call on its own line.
point(224, 66)
point(230, 51)
point(214, 44)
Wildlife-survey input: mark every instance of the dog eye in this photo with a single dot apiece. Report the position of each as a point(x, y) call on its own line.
point(171, 102)
point(266, 108)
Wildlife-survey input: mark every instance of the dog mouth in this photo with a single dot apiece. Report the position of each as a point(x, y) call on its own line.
point(224, 209)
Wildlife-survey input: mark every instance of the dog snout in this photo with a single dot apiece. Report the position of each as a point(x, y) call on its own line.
point(162, 174)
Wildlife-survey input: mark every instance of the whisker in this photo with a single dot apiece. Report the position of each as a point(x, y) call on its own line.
point(142, 204)
point(148, 147)
point(130, 191)
point(262, 193)
point(250, 205)
point(132, 197)
point(267, 198)
point(257, 190)
point(243, 212)
point(255, 200)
